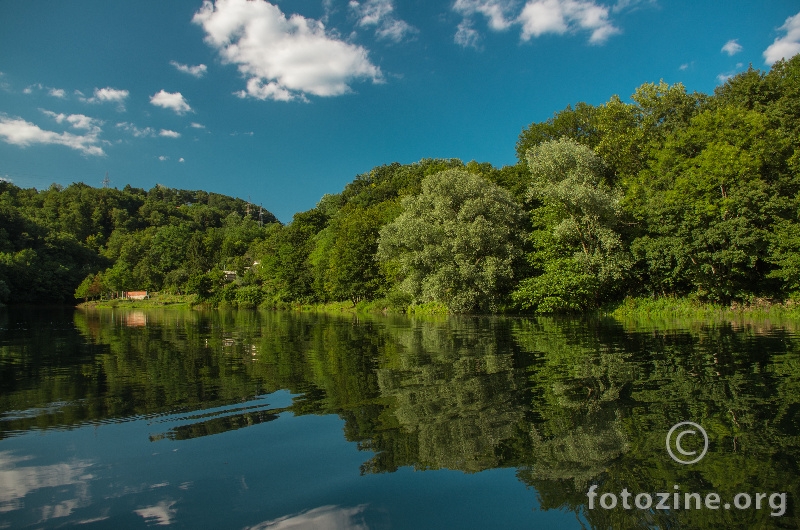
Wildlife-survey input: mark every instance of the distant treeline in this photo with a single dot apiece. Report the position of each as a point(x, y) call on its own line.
point(670, 194)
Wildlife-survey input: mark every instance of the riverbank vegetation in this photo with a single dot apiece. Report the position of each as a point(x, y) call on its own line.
point(671, 195)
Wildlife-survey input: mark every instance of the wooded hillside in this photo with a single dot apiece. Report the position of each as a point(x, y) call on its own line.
point(668, 194)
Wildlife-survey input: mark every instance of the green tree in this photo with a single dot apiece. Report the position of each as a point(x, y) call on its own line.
point(577, 249)
point(456, 242)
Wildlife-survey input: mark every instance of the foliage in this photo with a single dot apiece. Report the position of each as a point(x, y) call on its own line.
point(456, 242)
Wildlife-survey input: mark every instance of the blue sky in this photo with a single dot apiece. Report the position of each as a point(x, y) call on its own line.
point(282, 102)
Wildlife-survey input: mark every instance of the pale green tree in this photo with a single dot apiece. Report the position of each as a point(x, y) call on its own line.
point(577, 250)
point(456, 242)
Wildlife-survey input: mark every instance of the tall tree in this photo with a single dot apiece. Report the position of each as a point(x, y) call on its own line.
point(456, 242)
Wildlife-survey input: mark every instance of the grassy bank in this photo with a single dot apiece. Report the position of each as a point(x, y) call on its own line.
point(155, 300)
point(659, 309)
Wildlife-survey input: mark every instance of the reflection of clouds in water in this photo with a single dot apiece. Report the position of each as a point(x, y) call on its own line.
point(160, 514)
point(16, 482)
point(322, 518)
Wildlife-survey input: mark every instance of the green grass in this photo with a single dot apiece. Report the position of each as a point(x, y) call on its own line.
point(667, 311)
point(155, 300)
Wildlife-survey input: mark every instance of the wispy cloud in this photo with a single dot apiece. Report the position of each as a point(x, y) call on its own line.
point(537, 18)
point(378, 13)
point(283, 58)
point(169, 134)
point(163, 158)
point(195, 125)
point(196, 71)
point(17, 131)
point(57, 93)
point(136, 131)
point(786, 46)
point(170, 100)
point(467, 36)
point(631, 5)
point(732, 47)
point(497, 11)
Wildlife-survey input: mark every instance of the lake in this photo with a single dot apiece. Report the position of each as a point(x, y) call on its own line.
point(244, 419)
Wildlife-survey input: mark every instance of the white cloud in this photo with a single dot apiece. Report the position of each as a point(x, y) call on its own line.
point(181, 160)
point(169, 134)
point(732, 47)
point(195, 125)
point(371, 12)
point(684, 66)
point(538, 17)
point(497, 11)
point(623, 5)
point(29, 89)
point(282, 58)
point(163, 158)
point(787, 46)
point(58, 93)
point(17, 131)
point(467, 36)
point(161, 514)
point(170, 100)
point(196, 71)
point(78, 121)
point(394, 30)
point(561, 16)
point(135, 131)
point(106, 95)
point(378, 13)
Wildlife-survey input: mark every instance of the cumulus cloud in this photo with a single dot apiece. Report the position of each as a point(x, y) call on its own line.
point(283, 58)
point(537, 18)
point(196, 71)
point(77, 121)
point(378, 13)
point(163, 158)
point(17, 131)
point(170, 100)
point(195, 125)
point(562, 16)
point(106, 95)
point(58, 93)
point(169, 134)
point(732, 47)
point(786, 46)
point(181, 160)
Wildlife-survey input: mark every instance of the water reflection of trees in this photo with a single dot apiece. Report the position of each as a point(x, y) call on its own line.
point(568, 403)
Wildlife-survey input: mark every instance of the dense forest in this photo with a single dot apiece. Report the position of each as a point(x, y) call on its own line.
point(671, 194)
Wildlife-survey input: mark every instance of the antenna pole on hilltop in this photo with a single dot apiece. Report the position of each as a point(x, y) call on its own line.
point(106, 180)
point(248, 207)
point(260, 216)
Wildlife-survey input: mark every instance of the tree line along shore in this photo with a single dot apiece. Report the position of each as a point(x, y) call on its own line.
point(669, 199)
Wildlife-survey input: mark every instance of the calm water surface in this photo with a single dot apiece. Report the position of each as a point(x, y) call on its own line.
point(124, 419)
